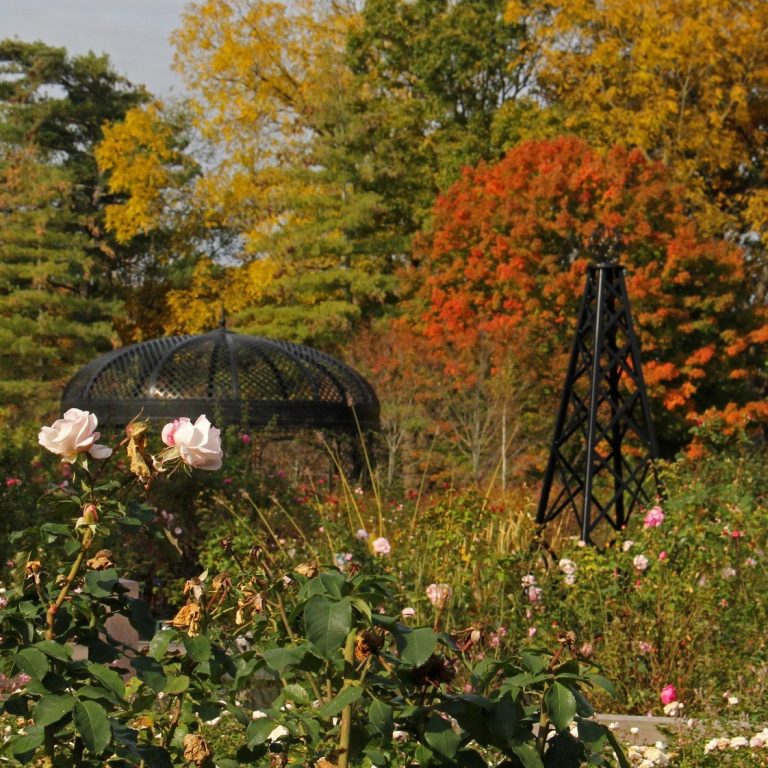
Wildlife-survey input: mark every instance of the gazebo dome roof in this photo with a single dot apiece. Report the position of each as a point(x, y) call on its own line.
point(237, 379)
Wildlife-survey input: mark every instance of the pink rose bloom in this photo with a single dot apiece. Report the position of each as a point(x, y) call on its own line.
point(439, 594)
point(381, 546)
point(11, 481)
point(668, 694)
point(533, 594)
point(72, 435)
point(245, 439)
point(662, 555)
point(198, 444)
point(654, 517)
point(408, 613)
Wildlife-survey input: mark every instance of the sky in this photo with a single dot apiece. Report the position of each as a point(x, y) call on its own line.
point(134, 33)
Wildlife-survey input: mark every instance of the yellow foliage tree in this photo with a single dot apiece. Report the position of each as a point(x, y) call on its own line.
point(685, 81)
point(258, 72)
point(198, 308)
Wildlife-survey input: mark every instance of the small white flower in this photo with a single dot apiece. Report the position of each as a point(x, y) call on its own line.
point(529, 580)
point(733, 700)
point(739, 741)
point(627, 545)
point(728, 572)
point(567, 566)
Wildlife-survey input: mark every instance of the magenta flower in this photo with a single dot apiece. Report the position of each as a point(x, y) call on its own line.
point(668, 694)
point(654, 517)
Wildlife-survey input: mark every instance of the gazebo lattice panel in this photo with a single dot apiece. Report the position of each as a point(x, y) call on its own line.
point(237, 379)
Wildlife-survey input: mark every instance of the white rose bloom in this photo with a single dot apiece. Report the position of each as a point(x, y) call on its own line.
point(640, 562)
point(198, 444)
point(739, 741)
point(75, 433)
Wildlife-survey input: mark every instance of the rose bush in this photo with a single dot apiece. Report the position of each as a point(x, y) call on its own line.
point(354, 685)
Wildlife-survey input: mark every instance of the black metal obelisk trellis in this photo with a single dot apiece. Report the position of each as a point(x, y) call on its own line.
point(602, 457)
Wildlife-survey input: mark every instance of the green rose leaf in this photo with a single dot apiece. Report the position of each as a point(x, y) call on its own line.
point(258, 731)
point(533, 662)
point(281, 658)
point(348, 695)
point(54, 650)
point(101, 583)
point(158, 645)
point(416, 645)
point(441, 737)
point(141, 619)
point(198, 648)
point(380, 716)
point(328, 623)
point(52, 708)
point(23, 747)
point(177, 684)
point(561, 705)
point(110, 679)
point(93, 726)
point(603, 682)
point(334, 582)
point(528, 755)
point(150, 672)
point(32, 662)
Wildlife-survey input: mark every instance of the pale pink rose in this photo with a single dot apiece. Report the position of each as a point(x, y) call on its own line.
point(408, 613)
point(654, 517)
point(198, 444)
point(531, 631)
point(529, 580)
point(533, 594)
point(74, 434)
point(381, 546)
point(439, 594)
point(640, 562)
point(668, 694)
point(361, 534)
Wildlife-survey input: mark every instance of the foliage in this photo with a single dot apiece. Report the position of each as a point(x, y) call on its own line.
point(49, 321)
point(683, 83)
point(506, 259)
point(355, 685)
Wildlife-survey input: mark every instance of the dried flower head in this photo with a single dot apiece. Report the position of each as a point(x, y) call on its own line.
point(196, 749)
point(188, 619)
point(101, 560)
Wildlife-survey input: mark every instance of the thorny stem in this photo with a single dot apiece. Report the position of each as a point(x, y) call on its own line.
point(346, 713)
point(541, 736)
point(68, 581)
point(174, 721)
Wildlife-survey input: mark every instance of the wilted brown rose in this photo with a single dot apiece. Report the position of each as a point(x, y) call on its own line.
point(101, 560)
point(188, 618)
point(194, 588)
point(367, 643)
point(137, 449)
point(196, 749)
point(310, 570)
point(32, 570)
point(250, 601)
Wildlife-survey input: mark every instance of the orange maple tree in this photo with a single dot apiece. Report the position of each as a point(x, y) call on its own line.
point(504, 268)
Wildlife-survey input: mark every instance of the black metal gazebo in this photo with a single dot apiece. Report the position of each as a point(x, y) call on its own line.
point(237, 379)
